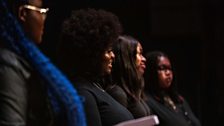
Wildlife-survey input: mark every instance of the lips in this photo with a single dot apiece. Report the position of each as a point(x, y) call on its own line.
point(110, 65)
point(168, 80)
point(143, 66)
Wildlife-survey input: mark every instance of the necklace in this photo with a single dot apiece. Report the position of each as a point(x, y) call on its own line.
point(98, 86)
point(170, 102)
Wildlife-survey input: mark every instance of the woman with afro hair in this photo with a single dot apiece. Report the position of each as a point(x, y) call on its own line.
point(86, 56)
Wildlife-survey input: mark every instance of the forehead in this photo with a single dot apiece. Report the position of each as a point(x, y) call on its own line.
point(162, 60)
point(35, 2)
point(139, 47)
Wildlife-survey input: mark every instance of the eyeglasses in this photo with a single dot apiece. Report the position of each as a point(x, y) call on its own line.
point(42, 11)
point(164, 68)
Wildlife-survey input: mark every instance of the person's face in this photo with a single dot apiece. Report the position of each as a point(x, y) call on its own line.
point(33, 20)
point(140, 59)
point(165, 73)
point(108, 58)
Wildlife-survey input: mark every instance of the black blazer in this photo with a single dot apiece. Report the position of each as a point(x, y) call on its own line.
point(23, 97)
point(169, 117)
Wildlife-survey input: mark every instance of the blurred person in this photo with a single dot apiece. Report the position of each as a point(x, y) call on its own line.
point(26, 75)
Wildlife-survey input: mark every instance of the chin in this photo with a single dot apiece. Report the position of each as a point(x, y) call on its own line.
point(37, 40)
point(141, 72)
point(107, 72)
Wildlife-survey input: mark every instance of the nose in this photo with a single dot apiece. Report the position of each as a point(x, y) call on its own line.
point(44, 16)
point(143, 59)
point(168, 72)
point(44, 12)
point(112, 54)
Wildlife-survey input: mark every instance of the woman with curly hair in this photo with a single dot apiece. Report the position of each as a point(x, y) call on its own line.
point(86, 56)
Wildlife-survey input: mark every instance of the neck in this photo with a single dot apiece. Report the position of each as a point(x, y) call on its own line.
point(98, 86)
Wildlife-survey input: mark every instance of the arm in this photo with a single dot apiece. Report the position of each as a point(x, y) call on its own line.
point(189, 113)
point(91, 109)
point(13, 97)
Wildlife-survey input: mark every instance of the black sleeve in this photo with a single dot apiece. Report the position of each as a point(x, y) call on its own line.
point(190, 114)
point(91, 109)
point(13, 97)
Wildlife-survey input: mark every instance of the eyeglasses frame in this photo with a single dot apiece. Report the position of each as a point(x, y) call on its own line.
point(34, 8)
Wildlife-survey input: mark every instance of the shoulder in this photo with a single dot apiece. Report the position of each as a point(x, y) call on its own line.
point(117, 91)
point(9, 59)
point(118, 94)
point(85, 88)
point(153, 101)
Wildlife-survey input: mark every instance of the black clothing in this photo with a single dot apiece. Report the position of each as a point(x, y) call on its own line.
point(181, 116)
point(101, 109)
point(137, 108)
point(23, 100)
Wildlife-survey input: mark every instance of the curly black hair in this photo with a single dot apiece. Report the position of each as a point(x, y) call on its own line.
point(85, 35)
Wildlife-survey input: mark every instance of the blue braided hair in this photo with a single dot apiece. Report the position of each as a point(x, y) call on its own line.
point(12, 34)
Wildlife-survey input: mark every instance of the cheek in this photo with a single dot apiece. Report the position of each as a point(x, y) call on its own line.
point(106, 58)
point(161, 77)
point(138, 61)
point(106, 63)
point(36, 27)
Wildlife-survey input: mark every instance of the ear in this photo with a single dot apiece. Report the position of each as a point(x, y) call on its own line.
point(22, 14)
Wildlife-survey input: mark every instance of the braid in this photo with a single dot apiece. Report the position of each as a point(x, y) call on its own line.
point(8, 33)
point(14, 38)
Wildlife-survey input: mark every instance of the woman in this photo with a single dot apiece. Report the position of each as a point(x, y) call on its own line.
point(127, 73)
point(26, 75)
point(85, 54)
point(162, 96)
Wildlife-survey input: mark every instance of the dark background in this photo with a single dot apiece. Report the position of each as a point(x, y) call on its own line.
point(191, 32)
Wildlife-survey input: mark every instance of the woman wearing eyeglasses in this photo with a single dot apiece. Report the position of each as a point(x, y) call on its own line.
point(32, 17)
point(27, 77)
point(162, 95)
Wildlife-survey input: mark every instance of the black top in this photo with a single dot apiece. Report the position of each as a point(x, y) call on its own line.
point(23, 98)
point(101, 109)
point(181, 116)
point(137, 108)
